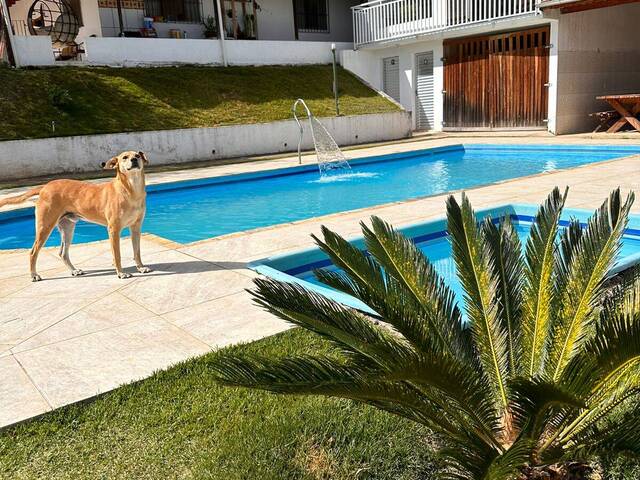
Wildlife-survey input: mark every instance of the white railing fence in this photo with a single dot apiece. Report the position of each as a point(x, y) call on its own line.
point(383, 20)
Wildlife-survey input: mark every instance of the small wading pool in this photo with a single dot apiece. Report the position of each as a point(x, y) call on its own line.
point(194, 210)
point(432, 239)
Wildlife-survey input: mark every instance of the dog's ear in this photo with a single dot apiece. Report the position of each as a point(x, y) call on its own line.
point(110, 164)
point(144, 158)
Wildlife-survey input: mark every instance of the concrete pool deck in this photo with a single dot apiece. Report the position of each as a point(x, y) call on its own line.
point(67, 339)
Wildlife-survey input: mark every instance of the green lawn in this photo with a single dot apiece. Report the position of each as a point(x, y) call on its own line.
point(179, 424)
point(103, 100)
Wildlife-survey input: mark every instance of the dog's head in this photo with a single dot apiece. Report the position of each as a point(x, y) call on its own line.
point(127, 162)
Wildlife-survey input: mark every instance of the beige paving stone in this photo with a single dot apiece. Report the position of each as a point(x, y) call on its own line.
point(19, 398)
point(248, 246)
point(13, 284)
point(99, 255)
point(82, 367)
point(95, 284)
point(180, 280)
point(111, 311)
point(23, 317)
point(17, 264)
point(231, 319)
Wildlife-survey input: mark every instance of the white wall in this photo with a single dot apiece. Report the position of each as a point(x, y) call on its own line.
point(340, 23)
point(257, 52)
point(367, 64)
point(147, 51)
point(599, 53)
point(275, 20)
point(90, 20)
point(28, 158)
point(34, 51)
point(166, 51)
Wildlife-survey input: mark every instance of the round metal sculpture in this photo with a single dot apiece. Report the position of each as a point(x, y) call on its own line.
point(54, 18)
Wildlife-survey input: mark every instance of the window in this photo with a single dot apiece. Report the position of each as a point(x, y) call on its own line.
point(187, 11)
point(312, 15)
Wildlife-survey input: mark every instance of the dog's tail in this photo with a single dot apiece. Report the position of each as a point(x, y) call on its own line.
point(21, 198)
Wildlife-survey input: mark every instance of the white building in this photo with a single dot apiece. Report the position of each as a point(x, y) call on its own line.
point(35, 21)
point(498, 64)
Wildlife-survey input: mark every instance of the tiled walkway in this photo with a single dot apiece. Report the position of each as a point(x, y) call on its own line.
point(66, 339)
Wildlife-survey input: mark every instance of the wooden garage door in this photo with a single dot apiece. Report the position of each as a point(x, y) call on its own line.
point(498, 81)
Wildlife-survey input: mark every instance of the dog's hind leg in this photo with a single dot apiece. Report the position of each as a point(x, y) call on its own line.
point(45, 222)
point(66, 226)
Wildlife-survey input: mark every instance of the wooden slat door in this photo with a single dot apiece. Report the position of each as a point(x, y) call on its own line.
point(497, 81)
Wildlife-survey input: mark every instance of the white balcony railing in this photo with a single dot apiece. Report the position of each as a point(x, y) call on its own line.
point(385, 20)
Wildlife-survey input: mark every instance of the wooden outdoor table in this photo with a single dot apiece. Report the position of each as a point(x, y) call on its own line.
point(628, 106)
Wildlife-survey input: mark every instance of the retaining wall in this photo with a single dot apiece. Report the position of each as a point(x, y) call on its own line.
point(29, 158)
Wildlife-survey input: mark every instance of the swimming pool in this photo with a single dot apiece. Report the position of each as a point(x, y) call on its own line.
point(194, 210)
point(431, 237)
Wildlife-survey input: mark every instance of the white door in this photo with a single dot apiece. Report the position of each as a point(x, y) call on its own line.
point(424, 91)
point(391, 77)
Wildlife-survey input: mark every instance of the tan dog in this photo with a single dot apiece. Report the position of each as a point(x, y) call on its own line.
point(118, 204)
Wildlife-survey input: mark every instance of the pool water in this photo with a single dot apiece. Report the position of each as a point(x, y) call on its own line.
point(195, 210)
point(439, 253)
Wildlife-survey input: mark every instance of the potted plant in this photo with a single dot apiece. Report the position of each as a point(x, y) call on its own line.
point(210, 27)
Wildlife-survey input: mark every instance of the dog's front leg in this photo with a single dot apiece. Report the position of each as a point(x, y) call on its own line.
point(114, 238)
point(135, 241)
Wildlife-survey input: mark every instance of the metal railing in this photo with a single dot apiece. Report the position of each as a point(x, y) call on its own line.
point(387, 20)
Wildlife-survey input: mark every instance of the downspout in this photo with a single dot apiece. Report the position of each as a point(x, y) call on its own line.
point(7, 22)
point(221, 33)
point(120, 22)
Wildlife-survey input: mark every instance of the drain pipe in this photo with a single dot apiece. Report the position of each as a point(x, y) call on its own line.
point(221, 34)
point(7, 23)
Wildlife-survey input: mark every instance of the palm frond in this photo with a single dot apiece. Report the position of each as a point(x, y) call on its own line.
point(327, 377)
point(347, 327)
point(472, 262)
point(404, 261)
point(507, 263)
point(533, 401)
point(593, 257)
point(509, 465)
point(539, 282)
point(365, 279)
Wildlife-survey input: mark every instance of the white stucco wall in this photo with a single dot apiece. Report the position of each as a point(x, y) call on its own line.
point(599, 53)
point(34, 51)
point(258, 52)
point(90, 19)
point(148, 51)
point(275, 20)
point(340, 23)
point(27, 158)
point(367, 64)
point(167, 51)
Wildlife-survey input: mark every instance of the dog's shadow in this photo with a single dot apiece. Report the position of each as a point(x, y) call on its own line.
point(175, 268)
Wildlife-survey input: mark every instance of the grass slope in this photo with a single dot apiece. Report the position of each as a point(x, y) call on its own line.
point(179, 424)
point(104, 100)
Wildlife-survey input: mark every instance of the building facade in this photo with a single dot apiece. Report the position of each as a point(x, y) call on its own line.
point(498, 64)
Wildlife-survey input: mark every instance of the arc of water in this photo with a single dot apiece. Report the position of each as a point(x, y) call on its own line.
point(328, 154)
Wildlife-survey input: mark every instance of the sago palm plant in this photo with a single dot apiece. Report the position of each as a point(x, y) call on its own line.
point(541, 367)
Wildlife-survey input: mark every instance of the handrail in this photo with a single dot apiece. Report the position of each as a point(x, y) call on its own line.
point(295, 116)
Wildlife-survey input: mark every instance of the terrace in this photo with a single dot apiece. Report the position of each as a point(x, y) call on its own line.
point(382, 21)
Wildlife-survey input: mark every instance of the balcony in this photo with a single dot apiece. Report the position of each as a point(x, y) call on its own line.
point(390, 20)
